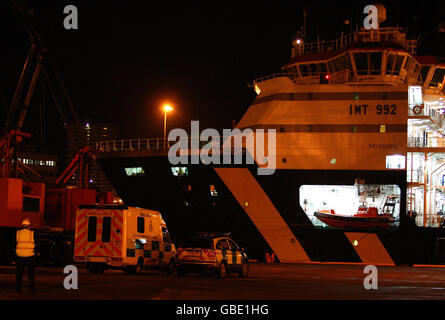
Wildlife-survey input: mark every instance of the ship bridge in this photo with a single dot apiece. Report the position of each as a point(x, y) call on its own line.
point(383, 56)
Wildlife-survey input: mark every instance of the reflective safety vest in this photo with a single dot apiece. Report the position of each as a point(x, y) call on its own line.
point(25, 243)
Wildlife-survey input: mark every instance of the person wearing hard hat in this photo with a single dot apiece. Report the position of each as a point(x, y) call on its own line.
point(25, 255)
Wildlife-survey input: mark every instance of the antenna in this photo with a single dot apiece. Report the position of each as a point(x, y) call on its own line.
point(304, 21)
point(356, 21)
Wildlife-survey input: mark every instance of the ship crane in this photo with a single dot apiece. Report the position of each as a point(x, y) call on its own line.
point(52, 210)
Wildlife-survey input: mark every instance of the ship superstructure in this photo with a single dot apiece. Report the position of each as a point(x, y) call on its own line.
point(359, 130)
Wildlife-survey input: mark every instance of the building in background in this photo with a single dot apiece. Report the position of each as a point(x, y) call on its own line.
point(38, 166)
point(87, 135)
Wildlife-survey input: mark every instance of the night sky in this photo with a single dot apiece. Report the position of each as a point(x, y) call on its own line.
point(128, 57)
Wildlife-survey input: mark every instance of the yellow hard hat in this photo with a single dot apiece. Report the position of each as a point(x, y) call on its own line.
point(26, 222)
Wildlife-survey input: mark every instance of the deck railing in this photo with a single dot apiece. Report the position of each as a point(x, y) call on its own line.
point(342, 76)
point(389, 34)
point(152, 144)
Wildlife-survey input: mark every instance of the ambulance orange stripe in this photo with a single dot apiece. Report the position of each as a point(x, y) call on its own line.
point(118, 238)
point(82, 242)
point(81, 245)
point(116, 224)
point(105, 251)
point(87, 252)
point(117, 214)
point(113, 249)
point(93, 253)
point(85, 245)
point(81, 234)
point(81, 226)
point(80, 216)
point(117, 250)
point(108, 252)
point(115, 237)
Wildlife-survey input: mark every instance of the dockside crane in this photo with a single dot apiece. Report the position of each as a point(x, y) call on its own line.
point(51, 210)
point(36, 64)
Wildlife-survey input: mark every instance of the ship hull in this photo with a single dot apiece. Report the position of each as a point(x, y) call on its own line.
point(188, 206)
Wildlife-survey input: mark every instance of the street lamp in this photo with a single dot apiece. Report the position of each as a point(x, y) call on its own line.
point(167, 108)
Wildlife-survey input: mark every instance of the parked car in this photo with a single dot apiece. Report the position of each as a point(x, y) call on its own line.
point(211, 253)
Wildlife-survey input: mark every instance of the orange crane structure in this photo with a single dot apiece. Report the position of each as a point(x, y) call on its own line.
point(51, 209)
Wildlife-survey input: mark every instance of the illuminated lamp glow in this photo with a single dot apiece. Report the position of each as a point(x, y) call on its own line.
point(167, 108)
point(327, 77)
point(355, 243)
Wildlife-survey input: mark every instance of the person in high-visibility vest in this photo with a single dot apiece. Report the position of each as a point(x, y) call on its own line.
point(25, 255)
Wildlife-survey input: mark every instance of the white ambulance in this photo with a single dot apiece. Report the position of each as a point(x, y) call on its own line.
point(121, 237)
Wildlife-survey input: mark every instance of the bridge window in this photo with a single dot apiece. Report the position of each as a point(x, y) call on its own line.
point(303, 70)
point(293, 70)
point(332, 67)
point(313, 69)
point(409, 64)
point(390, 63)
point(361, 63)
point(424, 73)
point(322, 67)
point(398, 64)
point(336, 65)
point(437, 77)
point(339, 65)
point(375, 62)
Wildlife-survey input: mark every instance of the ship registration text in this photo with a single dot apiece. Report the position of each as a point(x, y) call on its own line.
point(361, 109)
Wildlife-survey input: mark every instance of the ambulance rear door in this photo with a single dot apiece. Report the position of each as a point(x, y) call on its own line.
point(99, 234)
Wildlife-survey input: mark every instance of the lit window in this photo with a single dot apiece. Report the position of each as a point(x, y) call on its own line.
point(415, 95)
point(180, 171)
point(136, 171)
point(213, 191)
point(326, 205)
point(395, 162)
